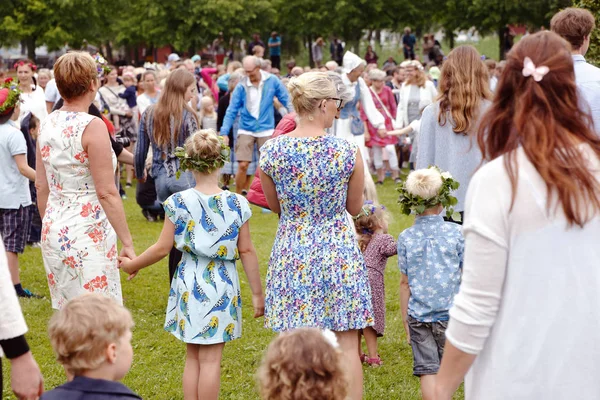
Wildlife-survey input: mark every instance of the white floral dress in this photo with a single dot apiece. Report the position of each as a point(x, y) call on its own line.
point(79, 246)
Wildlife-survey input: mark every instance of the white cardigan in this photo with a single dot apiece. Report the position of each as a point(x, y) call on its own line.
point(12, 323)
point(428, 93)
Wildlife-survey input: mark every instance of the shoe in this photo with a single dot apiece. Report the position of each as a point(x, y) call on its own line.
point(128, 185)
point(374, 362)
point(398, 180)
point(225, 187)
point(363, 358)
point(148, 215)
point(244, 193)
point(26, 294)
point(124, 196)
point(35, 245)
point(379, 183)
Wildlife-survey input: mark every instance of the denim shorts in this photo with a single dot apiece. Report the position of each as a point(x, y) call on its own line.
point(427, 341)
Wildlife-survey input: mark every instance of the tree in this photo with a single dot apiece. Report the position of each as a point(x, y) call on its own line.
point(593, 54)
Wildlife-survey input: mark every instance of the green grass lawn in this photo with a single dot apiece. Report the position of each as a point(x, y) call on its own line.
point(159, 357)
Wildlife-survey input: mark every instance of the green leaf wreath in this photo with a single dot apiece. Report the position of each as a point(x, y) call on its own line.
point(410, 203)
point(14, 96)
point(204, 165)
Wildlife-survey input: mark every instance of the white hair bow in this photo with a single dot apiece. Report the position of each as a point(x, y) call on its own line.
point(529, 69)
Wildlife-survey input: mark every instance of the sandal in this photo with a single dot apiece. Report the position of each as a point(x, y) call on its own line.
point(363, 358)
point(375, 361)
point(379, 183)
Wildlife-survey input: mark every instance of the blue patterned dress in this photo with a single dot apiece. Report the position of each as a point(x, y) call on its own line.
point(204, 302)
point(317, 275)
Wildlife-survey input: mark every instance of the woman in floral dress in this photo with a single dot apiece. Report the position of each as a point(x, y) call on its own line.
point(82, 213)
point(316, 276)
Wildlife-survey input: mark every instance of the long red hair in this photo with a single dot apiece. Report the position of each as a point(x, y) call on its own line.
point(544, 119)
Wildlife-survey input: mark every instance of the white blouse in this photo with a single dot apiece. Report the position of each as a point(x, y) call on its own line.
point(12, 323)
point(529, 302)
point(35, 103)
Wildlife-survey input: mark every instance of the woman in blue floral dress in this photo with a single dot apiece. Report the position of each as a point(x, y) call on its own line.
point(316, 276)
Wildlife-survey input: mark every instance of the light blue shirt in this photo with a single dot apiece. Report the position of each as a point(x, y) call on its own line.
point(587, 78)
point(13, 186)
point(430, 253)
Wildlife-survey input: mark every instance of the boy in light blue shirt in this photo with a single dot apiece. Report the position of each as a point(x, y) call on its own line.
point(430, 255)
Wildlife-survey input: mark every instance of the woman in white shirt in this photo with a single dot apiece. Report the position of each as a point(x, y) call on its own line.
point(417, 92)
point(32, 96)
point(150, 95)
point(525, 322)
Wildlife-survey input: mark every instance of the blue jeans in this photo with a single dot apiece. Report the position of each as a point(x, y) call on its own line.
point(168, 185)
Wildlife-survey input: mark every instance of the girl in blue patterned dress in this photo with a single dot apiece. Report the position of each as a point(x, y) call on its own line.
point(316, 275)
point(210, 227)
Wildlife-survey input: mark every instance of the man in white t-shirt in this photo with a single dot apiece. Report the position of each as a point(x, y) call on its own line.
point(52, 95)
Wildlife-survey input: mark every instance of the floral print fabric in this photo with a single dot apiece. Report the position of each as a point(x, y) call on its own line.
point(79, 246)
point(316, 275)
point(205, 304)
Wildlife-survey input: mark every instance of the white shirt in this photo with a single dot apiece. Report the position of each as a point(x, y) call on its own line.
point(51, 92)
point(254, 96)
point(35, 103)
point(529, 301)
point(587, 78)
point(13, 185)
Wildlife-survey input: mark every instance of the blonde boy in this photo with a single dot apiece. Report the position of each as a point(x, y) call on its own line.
point(91, 336)
point(430, 255)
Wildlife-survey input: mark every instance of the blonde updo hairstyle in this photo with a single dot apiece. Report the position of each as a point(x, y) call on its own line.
point(308, 90)
point(205, 145)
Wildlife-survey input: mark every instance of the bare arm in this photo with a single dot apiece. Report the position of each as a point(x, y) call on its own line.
point(356, 186)
point(270, 192)
point(154, 253)
point(455, 365)
point(126, 157)
point(400, 132)
point(404, 297)
point(250, 263)
point(49, 106)
point(96, 143)
point(24, 168)
point(41, 182)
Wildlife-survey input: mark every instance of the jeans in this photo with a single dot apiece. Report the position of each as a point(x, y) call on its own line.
point(167, 185)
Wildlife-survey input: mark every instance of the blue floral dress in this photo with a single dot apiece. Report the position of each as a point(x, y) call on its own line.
point(205, 302)
point(317, 275)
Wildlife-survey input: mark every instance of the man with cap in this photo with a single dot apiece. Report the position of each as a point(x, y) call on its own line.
point(172, 61)
point(14, 183)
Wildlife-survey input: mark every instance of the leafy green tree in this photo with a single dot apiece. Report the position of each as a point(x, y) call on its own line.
point(593, 54)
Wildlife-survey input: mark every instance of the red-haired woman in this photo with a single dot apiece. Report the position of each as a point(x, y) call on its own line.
point(526, 320)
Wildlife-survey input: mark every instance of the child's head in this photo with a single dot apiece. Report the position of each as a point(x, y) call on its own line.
point(302, 364)
point(427, 192)
point(128, 79)
point(204, 152)
point(93, 332)
point(208, 105)
point(34, 127)
point(372, 218)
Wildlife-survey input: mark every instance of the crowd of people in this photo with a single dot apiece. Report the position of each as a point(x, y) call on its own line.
point(505, 302)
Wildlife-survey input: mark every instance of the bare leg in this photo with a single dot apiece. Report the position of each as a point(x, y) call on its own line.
point(13, 267)
point(191, 373)
point(348, 342)
point(371, 339)
point(380, 175)
point(428, 387)
point(129, 168)
point(241, 176)
point(209, 381)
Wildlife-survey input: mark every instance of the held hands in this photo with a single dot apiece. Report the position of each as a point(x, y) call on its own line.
point(382, 133)
point(258, 303)
point(26, 379)
point(125, 265)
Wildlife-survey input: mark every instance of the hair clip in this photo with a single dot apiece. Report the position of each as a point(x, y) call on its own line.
point(529, 69)
point(330, 338)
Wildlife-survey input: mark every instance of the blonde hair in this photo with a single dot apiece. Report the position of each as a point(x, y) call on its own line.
point(204, 102)
point(302, 365)
point(74, 72)
point(171, 104)
point(205, 145)
point(464, 83)
point(420, 78)
point(368, 223)
point(424, 183)
point(377, 74)
point(82, 330)
point(45, 71)
point(308, 89)
point(234, 65)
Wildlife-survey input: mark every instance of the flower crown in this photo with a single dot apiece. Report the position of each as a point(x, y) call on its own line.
point(14, 96)
point(201, 164)
point(101, 65)
point(410, 202)
point(23, 63)
point(368, 208)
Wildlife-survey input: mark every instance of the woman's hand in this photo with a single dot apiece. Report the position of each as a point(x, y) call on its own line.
point(128, 251)
point(258, 302)
point(125, 265)
point(382, 133)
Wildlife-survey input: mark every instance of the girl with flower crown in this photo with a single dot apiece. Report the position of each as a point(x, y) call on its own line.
point(210, 227)
point(377, 246)
point(32, 95)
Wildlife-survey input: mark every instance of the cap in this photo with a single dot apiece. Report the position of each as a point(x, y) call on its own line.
point(435, 73)
point(195, 58)
point(173, 57)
